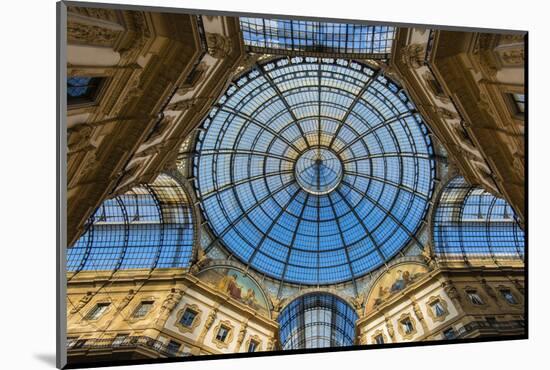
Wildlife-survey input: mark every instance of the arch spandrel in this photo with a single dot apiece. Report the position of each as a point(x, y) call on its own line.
point(237, 285)
point(392, 281)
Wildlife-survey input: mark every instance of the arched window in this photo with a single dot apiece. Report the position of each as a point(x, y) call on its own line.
point(150, 226)
point(470, 223)
point(317, 320)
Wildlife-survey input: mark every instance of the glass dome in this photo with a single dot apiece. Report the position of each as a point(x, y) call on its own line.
point(314, 171)
point(318, 171)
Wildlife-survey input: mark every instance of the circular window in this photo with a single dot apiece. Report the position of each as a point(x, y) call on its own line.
point(314, 171)
point(318, 171)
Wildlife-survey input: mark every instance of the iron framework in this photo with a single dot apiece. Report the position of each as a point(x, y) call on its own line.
point(244, 169)
point(310, 38)
point(317, 320)
point(470, 223)
point(151, 226)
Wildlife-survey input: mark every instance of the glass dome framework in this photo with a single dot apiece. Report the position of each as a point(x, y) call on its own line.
point(255, 195)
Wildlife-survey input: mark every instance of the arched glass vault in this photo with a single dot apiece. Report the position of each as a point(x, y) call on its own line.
point(470, 223)
point(314, 171)
point(149, 227)
point(317, 320)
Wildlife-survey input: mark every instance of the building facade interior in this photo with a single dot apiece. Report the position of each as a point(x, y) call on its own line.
point(239, 184)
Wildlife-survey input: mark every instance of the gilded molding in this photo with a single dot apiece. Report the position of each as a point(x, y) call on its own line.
point(430, 309)
point(196, 321)
point(240, 337)
point(406, 336)
point(169, 303)
point(225, 344)
point(83, 302)
point(376, 334)
point(255, 338)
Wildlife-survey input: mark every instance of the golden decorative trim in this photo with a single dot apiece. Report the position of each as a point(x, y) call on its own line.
point(196, 320)
point(255, 338)
point(136, 306)
point(377, 333)
point(96, 303)
point(481, 295)
point(406, 336)
point(431, 310)
point(229, 337)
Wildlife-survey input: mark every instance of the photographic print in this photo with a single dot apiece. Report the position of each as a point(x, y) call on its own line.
point(244, 185)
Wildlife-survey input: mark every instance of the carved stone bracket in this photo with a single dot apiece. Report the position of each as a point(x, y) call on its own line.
point(413, 55)
point(219, 46)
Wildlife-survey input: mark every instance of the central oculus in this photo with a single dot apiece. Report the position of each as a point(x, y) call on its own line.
point(318, 171)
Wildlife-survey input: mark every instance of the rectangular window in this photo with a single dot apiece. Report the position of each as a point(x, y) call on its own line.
point(449, 333)
point(407, 326)
point(96, 312)
point(438, 309)
point(119, 339)
point(222, 333)
point(188, 317)
point(519, 101)
point(81, 89)
point(508, 296)
point(379, 339)
point(173, 347)
point(491, 321)
point(474, 297)
point(143, 309)
point(253, 346)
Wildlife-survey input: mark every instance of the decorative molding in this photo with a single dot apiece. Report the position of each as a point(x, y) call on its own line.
point(489, 290)
point(225, 344)
point(108, 300)
point(271, 344)
point(255, 338)
point(504, 287)
point(406, 336)
point(78, 33)
point(413, 55)
point(430, 309)
point(169, 303)
point(219, 46)
point(377, 333)
point(240, 337)
point(208, 324)
point(83, 302)
point(196, 321)
point(389, 327)
point(483, 306)
point(126, 301)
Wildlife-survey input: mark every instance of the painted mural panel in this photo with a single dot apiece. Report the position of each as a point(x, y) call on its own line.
point(393, 281)
point(237, 285)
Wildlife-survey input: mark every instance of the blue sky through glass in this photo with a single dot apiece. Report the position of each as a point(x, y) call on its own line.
point(245, 169)
point(325, 37)
point(148, 227)
point(471, 223)
point(317, 320)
